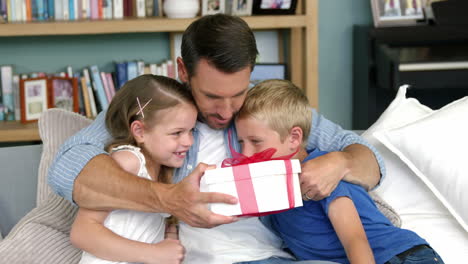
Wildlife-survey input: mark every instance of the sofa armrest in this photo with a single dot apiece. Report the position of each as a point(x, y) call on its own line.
point(42, 236)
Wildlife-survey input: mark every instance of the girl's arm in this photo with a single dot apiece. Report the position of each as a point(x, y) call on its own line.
point(347, 224)
point(89, 233)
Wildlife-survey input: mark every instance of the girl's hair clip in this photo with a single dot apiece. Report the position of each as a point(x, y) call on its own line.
point(142, 107)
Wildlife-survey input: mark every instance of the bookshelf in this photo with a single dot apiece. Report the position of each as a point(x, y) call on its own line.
point(303, 49)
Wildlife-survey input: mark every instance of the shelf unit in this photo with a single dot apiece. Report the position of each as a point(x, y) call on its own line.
point(303, 47)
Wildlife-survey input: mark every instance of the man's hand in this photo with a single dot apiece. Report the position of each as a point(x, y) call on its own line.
point(321, 175)
point(185, 201)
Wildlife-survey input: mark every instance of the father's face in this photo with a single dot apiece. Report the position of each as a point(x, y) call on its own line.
point(218, 95)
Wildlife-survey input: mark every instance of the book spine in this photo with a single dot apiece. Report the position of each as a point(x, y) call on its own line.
point(66, 9)
point(140, 8)
point(132, 70)
point(149, 8)
point(110, 83)
point(6, 73)
point(58, 10)
point(51, 9)
point(16, 95)
point(106, 86)
point(3, 11)
point(121, 74)
point(99, 87)
point(94, 9)
point(19, 10)
point(71, 9)
point(84, 91)
point(140, 67)
point(92, 99)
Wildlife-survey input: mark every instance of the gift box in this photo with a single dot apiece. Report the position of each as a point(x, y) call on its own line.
point(261, 188)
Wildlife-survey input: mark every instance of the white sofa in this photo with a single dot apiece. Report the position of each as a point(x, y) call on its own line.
point(42, 235)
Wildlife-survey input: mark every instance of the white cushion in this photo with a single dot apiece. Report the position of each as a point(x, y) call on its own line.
point(418, 207)
point(434, 148)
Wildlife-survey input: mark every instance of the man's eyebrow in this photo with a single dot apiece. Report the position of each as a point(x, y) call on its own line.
point(217, 96)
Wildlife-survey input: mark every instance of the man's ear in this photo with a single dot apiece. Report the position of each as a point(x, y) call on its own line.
point(181, 70)
point(295, 138)
point(137, 128)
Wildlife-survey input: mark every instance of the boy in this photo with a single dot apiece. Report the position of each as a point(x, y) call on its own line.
point(344, 227)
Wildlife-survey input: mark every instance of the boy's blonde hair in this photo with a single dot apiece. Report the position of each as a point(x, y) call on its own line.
point(280, 104)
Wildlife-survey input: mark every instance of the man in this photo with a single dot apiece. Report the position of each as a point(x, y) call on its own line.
point(218, 55)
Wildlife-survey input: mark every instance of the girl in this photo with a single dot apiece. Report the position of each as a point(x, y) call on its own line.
point(150, 120)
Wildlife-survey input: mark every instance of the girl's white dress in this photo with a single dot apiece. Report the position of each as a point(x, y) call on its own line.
point(134, 225)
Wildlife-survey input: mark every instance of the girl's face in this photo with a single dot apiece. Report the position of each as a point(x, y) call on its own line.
point(169, 140)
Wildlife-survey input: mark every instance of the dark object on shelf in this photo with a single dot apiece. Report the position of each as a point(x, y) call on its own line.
point(262, 7)
point(452, 12)
point(431, 59)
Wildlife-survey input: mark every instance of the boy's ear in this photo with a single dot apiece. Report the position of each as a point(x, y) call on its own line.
point(181, 70)
point(137, 129)
point(295, 138)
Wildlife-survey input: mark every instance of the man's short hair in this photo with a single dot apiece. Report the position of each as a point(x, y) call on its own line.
point(281, 104)
point(227, 42)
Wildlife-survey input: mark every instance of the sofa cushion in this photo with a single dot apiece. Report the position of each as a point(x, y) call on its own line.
point(42, 236)
point(55, 126)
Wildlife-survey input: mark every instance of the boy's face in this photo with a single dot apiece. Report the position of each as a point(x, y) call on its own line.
point(255, 136)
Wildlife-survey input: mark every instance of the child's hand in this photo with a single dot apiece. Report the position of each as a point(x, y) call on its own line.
point(168, 251)
point(172, 231)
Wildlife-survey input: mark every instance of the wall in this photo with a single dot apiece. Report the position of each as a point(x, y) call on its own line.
point(336, 20)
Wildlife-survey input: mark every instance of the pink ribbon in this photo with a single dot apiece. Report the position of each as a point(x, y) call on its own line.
point(243, 179)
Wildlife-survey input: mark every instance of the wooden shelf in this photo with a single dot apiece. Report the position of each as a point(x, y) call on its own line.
point(14, 131)
point(135, 26)
point(303, 48)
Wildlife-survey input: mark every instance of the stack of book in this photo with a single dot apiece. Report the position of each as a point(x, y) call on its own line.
point(42, 10)
point(94, 88)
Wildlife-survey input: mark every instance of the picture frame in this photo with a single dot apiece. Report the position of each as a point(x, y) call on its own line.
point(64, 93)
point(274, 7)
point(387, 13)
point(34, 98)
point(241, 7)
point(211, 7)
point(267, 71)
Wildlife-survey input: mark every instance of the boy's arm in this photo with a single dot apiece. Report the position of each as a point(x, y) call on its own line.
point(82, 172)
point(347, 224)
point(351, 158)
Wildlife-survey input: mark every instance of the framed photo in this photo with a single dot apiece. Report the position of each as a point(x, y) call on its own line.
point(274, 7)
point(397, 12)
point(266, 71)
point(34, 98)
point(241, 7)
point(210, 7)
point(64, 93)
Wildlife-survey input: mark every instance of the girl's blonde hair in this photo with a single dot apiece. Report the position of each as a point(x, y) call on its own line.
point(161, 93)
point(280, 104)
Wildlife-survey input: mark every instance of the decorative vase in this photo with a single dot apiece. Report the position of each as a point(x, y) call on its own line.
point(181, 8)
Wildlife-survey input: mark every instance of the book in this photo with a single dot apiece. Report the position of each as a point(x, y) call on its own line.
point(8, 100)
point(106, 86)
point(98, 87)
point(132, 70)
point(140, 67)
point(86, 101)
point(92, 101)
point(110, 83)
point(16, 96)
point(3, 11)
point(120, 74)
point(118, 8)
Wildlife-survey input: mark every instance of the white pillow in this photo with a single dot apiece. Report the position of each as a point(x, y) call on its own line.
point(434, 148)
point(419, 209)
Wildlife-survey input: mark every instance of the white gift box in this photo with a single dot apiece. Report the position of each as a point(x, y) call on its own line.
point(260, 187)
